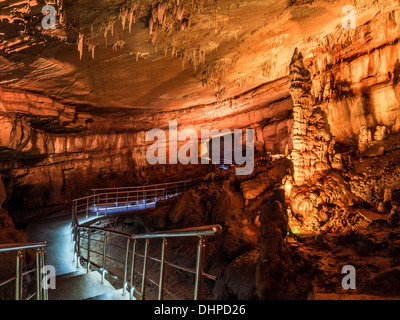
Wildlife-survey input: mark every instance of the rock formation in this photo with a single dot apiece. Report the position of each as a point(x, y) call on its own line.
point(9, 234)
point(312, 139)
point(279, 268)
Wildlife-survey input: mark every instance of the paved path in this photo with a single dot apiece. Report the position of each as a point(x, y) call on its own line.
point(57, 232)
point(72, 283)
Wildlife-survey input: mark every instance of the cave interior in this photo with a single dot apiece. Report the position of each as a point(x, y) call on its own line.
point(275, 121)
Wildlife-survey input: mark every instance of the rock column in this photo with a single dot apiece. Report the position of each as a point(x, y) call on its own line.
point(312, 140)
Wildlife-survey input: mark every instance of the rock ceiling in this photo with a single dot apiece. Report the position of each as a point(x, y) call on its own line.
point(159, 55)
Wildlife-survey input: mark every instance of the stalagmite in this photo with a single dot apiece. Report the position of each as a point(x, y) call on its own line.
point(311, 135)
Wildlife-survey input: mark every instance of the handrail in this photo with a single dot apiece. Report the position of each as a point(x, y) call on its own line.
point(91, 202)
point(118, 192)
point(145, 186)
point(116, 232)
point(117, 199)
point(41, 291)
point(128, 197)
point(188, 232)
point(21, 246)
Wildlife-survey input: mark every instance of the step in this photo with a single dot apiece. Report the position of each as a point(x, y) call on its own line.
point(80, 287)
point(79, 272)
point(116, 295)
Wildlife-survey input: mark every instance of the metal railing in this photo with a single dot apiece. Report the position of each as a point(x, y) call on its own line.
point(171, 188)
point(104, 200)
point(41, 291)
point(101, 199)
point(117, 200)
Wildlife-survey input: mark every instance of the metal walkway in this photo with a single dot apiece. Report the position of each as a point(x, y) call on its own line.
point(75, 282)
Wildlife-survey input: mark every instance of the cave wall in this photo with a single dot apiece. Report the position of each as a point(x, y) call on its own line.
point(52, 152)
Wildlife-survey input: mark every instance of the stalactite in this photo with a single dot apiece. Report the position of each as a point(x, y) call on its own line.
point(167, 17)
point(91, 49)
point(180, 13)
point(132, 18)
point(112, 27)
point(80, 45)
point(123, 16)
point(61, 12)
point(118, 45)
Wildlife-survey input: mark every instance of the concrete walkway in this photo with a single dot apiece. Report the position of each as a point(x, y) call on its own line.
point(72, 283)
point(57, 233)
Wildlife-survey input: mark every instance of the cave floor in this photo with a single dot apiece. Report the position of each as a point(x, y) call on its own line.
point(373, 249)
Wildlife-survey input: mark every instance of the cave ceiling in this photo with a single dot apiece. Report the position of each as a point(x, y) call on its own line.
point(154, 56)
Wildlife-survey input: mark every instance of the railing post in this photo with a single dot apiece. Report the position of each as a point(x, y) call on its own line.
point(144, 275)
point(78, 246)
point(97, 201)
point(74, 242)
point(106, 202)
point(128, 243)
point(117, 197)
point(162, 270)
point(18, 277)
point(88, 252)
point(87, 207)
point(132, 269)
point(45, 289)
point(145, 199)
point(103, 272)
point(198, 286)
point(72, 223)
point(38, 274)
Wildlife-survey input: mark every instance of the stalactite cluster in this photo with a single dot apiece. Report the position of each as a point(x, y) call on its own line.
point(167, 16)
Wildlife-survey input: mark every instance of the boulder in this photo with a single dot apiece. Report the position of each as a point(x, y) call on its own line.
point(238, 281)
point(281, 273)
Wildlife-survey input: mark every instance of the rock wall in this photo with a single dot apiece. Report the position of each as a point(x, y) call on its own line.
point(355, 78)
point(53, 152)
point(9, 234)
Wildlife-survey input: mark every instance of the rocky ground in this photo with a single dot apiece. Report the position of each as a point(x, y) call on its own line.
point(260, 255)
